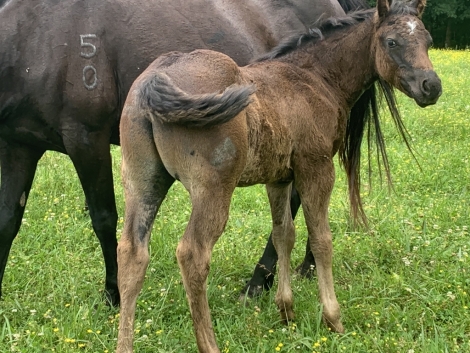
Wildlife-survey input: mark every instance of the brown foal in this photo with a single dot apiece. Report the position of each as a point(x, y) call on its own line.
point(200, 119)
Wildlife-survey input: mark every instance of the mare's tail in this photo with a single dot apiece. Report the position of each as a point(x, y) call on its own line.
point(170, 104)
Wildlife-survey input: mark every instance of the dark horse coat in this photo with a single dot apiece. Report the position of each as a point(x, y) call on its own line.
point(66, 67)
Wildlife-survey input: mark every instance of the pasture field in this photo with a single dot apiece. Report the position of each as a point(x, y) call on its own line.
point(403, 285)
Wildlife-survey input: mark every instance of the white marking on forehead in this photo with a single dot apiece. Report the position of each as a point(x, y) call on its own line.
point(412, 25)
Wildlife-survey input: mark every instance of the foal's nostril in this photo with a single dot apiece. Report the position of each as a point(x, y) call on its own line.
point(431, 86)
point(426, 87)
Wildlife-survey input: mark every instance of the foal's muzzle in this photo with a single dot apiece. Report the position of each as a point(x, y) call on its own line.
point(424, 86)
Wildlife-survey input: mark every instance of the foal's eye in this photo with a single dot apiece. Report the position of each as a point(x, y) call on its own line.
point(391, 43)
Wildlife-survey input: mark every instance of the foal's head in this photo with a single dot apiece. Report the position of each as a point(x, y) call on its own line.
point(401, 50)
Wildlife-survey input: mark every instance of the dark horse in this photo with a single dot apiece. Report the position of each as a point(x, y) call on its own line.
point(66, 68)
point(201, 119)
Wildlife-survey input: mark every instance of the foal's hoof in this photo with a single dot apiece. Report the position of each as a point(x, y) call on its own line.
point(335, 325)
point(287, 316)
point(306, 270)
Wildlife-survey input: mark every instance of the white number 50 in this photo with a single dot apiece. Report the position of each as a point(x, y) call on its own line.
point(90, 46)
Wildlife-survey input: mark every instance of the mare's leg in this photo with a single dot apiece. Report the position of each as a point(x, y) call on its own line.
point(17, 166)
point(283, 235)
point(315, 189)
point(208, 218)
point(91, 157)
point(146, 183)
point(307, 267)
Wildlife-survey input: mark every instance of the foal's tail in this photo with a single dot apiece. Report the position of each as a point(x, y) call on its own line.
point(170, 104)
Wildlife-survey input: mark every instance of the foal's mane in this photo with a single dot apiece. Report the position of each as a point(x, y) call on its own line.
point(365, 114)
point(322, 30)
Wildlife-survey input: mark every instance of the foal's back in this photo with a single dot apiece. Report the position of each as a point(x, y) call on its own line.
point(290, 111)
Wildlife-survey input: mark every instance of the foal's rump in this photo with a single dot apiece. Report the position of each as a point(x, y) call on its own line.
point(198, 89)
point(185, 104)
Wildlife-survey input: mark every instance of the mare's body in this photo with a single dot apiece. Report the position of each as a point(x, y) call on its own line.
point(66, 68)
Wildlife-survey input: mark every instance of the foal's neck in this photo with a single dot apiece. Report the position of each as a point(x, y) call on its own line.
point(344, 60)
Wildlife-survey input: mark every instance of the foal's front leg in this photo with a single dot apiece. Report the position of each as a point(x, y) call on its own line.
point(315, 189)
point(283, 239)
point(207, 222)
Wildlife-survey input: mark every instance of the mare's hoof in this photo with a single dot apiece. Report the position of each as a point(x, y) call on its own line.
point(306, 270)
point(260, 282)
point(250, 292)
point(112, 297)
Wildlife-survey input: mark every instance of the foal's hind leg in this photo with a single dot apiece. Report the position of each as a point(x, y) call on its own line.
point(283, 239)
point(146, 182)
point(315, 188)
point(207, 222)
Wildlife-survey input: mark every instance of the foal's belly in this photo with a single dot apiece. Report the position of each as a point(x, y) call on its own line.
point(270, 143)
point(265, 167)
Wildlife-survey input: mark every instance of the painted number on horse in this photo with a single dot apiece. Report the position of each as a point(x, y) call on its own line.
point(90, 78)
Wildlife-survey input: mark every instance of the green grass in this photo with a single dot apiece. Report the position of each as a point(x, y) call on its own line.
point(403, 286)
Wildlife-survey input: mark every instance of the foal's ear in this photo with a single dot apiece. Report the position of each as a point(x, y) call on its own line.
point(420, 5)
point(383, 6)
